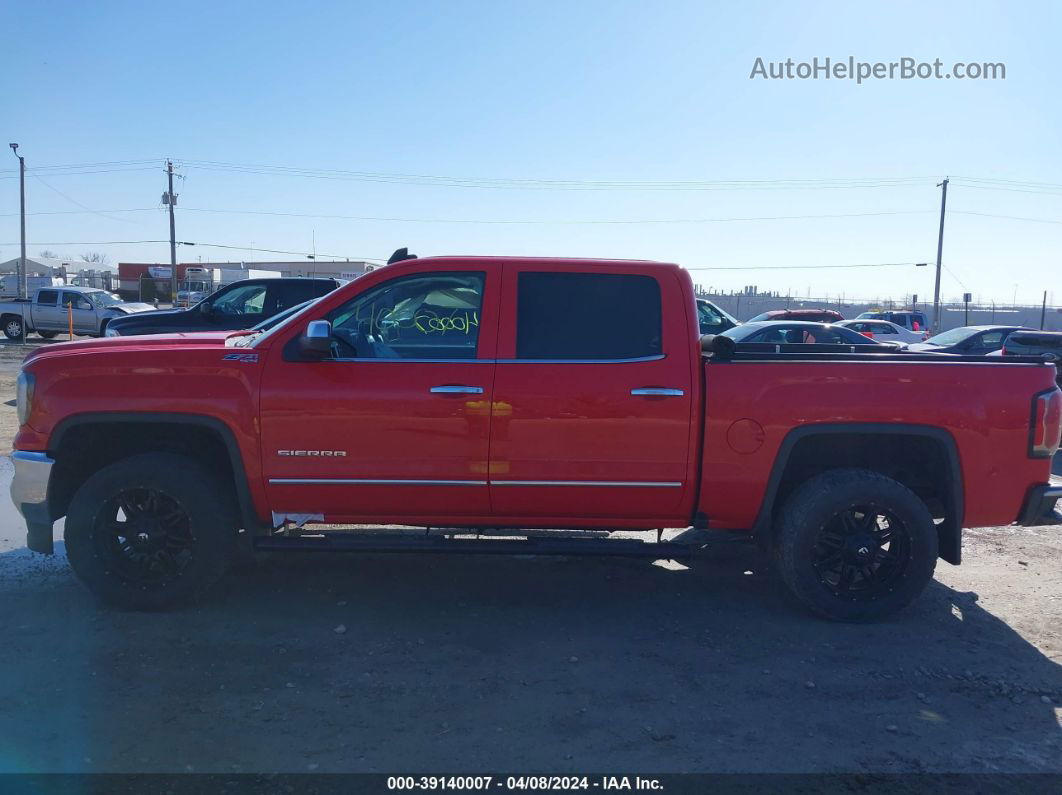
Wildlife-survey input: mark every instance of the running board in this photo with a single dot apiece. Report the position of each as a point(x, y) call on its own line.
point(354, 542)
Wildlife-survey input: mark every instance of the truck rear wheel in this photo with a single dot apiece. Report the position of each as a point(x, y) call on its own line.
point(150, 532)
point(855, 545)
point(13, 327)
point(48, 335)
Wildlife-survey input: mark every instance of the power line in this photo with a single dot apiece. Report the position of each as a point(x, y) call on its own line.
point(549, 184)
point(200, 245)
point(97, 164)
point(79, 204)
point(85, 211)
point(1008, 217)
point(803, 267)
point(560, 222)
point(74, 173)
point(488, 221)
point(110, 166)
point(378, 259)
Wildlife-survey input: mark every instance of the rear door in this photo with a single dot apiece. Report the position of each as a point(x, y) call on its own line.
point(283, 295)
point(45, 310)
point(592, 411)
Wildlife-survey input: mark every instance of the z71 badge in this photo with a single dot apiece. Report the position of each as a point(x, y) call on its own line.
point(241, 357)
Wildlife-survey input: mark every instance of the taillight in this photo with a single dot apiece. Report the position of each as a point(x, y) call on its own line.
point(1045, 432)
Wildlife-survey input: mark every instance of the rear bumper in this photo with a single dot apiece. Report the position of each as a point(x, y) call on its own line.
point(1040, 504)
point(29, 492)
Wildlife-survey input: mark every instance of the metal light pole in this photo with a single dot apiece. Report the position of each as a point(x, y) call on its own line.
point(940, 251)
point(22, 218)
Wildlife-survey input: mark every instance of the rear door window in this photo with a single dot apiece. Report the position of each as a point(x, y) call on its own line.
point(595, 316)
point(289, 294)
point(47, 297)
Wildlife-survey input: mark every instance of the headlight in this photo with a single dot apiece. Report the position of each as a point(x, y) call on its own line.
point(111, 333)
point(24, 396)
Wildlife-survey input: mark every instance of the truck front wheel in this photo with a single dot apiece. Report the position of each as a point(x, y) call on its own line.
point(855, 545)
point(150, 532)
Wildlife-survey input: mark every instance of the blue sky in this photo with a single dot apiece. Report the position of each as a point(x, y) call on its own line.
point(584, 91)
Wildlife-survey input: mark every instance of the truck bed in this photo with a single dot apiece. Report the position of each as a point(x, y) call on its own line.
point(763, 407)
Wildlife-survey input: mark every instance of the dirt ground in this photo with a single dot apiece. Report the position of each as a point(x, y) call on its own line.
point(458, 664)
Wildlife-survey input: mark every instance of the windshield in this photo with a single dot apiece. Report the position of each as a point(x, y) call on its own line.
point(100, 299)
point(953, 336)
point(710, 313)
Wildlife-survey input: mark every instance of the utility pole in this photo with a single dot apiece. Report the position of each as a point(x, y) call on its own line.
point(171, 200)
point(1043, 311)
point(940, 250)
point(21, 275)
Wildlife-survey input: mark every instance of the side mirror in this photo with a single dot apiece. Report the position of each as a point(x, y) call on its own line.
point(717, 344)
point(206, 308)
point(316, 341)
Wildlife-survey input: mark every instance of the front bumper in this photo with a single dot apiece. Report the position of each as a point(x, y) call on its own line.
point(1039, 506)
point(29, 492)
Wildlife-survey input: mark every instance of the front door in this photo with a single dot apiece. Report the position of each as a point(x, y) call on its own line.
point(81, 311)
point(241, 307)
point(394, 426)
point(593, 396)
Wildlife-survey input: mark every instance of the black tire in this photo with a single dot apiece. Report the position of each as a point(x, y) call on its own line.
point(13, 327)
point(48, 335)
point(150, 532)
point(855, 545)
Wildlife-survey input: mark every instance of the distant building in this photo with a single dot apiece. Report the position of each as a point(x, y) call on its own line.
point(47, 271)
point(133, 275)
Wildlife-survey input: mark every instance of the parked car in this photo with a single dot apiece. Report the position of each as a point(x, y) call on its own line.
point(1045, 344)
point(967, 340)
point(50, 310)
point(794, 332)
point(884, 331)
point(239, 305)
point(712, 319)
point(425, 394)
point(809, 315)
point(910, 319)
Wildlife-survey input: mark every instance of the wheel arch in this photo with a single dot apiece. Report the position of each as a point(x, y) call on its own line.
point(68, 429)
point(790, 468)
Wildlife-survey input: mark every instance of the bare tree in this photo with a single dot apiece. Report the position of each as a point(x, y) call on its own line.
point(48, 253)
point(95, 257)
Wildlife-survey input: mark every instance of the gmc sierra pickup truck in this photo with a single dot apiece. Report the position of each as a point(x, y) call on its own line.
point(523, 405)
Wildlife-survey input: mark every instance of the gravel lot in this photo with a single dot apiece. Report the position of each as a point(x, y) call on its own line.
point(429, 664)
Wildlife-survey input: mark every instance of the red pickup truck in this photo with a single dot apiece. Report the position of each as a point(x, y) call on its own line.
point(523, 405)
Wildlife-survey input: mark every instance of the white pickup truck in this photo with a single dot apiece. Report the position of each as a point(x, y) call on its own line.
point(51, 308)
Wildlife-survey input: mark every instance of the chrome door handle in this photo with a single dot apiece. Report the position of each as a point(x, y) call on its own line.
point(457, 390)
point(657, 391)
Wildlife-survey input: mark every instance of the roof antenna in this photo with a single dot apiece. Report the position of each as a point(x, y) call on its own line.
point(400, 255)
